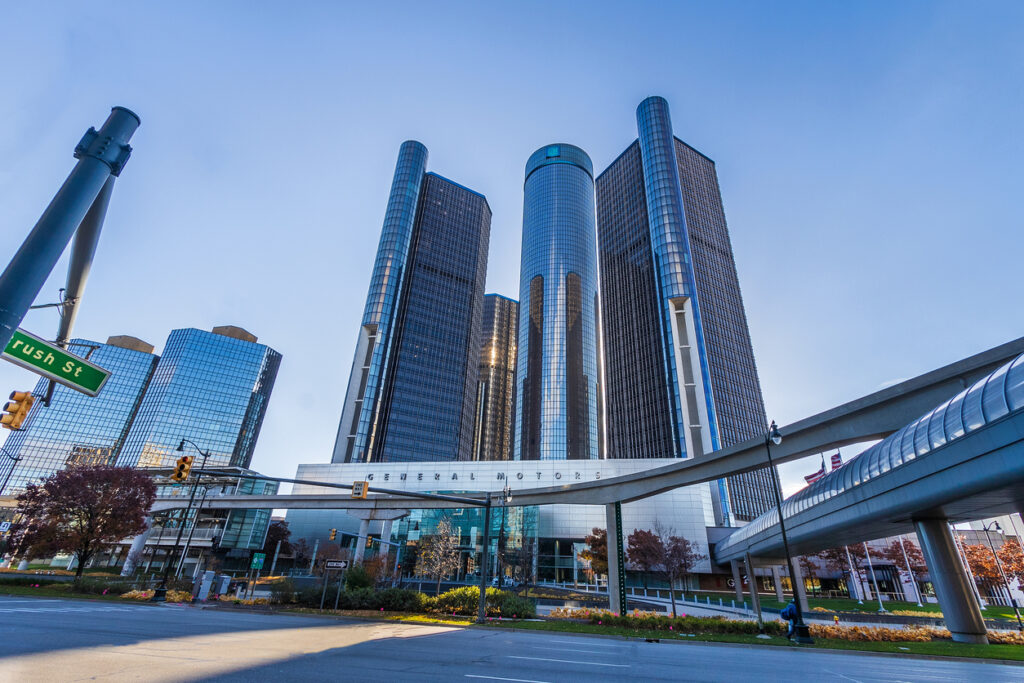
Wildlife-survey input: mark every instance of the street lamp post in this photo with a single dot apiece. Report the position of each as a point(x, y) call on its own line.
point(160, 594)
point(913, 578)
point(999, 565)
point(773, 436)
point(14, 463)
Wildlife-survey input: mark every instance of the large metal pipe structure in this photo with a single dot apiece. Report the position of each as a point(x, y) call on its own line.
point(83, 248)
point(101, 154)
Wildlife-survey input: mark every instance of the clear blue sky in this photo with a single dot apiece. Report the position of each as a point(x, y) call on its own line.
point(869, 156)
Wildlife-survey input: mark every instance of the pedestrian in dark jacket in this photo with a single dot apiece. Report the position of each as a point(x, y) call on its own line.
point(790, 612)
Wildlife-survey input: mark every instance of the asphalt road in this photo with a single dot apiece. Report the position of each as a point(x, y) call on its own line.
point(72, 640)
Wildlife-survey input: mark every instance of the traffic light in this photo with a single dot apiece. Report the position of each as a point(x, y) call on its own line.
point(334, 534)
point(17, 409)
point(360, 489)
point(182, 468)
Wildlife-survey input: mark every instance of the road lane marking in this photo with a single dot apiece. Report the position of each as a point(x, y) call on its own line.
point(569, 649)
point(499, 678)
point(570, 661)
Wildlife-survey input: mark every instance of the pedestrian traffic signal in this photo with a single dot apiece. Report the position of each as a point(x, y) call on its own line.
point(182, 468)
point(16, 410)
point(360, 489)
point(334, 534)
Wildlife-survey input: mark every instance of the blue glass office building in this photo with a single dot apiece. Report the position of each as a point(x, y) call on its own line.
point(496, 390)
point(680, 372)
point(209, 387)
point(412, 390)
point(557, 385)
point(75, 428)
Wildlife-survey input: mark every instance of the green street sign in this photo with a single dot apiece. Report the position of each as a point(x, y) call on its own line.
point(53, 362)
point(257, 560)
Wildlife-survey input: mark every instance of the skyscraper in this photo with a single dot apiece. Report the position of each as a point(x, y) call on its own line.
point(680, 372)
point(412, 391)
point(557, 384)
point(79, 429)
point(209, 387)
point(497, 387)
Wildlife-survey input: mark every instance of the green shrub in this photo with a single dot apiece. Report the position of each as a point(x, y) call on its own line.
point(282, 591)
point(685, 624)
point(400, 600)
point(466, 601)
point(310, 597)
point(357, 598)
point(358, 577)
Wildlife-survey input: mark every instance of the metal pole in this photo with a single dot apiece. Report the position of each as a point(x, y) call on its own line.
point(100, 155)
point(913, 579)
point(323, 593)
point(337, 593)
point(160, 594)
point(878, 594)
point(191, 533)
point(481, 615)
point(803, 633)
point(854, 575)
point(999, 565)
point(967, 565)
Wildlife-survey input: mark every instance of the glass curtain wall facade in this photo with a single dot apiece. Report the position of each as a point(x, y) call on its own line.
point(557, 383)
point(681, 378)
point(412, 391)
point(75, 428)
point(497, 386)
point(210, 388)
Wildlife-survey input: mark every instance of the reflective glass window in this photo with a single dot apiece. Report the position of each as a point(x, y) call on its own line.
point(1015, 384)
point(907, 443)
point(921, 443)
point(973, 417)
point(954, 423)
point(993, 401)
point(936, 431)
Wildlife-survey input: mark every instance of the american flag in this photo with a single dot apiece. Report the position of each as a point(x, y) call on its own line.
point(837, 461)
point(811, 478)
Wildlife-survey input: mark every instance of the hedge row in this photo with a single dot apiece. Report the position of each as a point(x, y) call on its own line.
point(462, 601)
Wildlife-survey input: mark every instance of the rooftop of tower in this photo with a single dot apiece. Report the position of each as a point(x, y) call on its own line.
point(559, 153)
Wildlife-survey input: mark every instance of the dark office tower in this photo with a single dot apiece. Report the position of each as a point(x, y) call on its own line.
point(75, 428)
point(412, 391)
point(680, 373)
point(495, 396)
point(557, 384)
point(209, 387)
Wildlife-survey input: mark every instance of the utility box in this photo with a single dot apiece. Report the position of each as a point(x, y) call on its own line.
point(205, 584)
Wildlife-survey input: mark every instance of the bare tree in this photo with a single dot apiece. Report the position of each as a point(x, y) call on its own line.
point(439, 552)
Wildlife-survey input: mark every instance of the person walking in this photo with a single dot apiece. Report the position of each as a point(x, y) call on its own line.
point(790, 613)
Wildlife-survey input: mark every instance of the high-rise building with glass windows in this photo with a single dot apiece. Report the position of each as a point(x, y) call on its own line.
point(209, 387)
point(496, 390)
point(679, 365)
point(412, 390)
point(557, 385)
point(79, 429)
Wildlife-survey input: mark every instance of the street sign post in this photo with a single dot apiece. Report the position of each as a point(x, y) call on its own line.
point(337, 564)
point(53, 362)
point(257, 560)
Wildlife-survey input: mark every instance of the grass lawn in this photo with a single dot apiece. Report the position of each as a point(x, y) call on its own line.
point(949, 649)
point(869, 606)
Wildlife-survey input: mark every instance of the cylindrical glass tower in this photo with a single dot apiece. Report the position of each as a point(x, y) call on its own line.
point(557, 389)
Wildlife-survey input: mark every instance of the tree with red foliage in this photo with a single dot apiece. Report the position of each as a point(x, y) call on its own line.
point(983, 564)
point(661, 551)
point(893, 553)
point(278, 531)
point(1012, 557)
point(596, 551)
point(80, 509)
point(645, 551)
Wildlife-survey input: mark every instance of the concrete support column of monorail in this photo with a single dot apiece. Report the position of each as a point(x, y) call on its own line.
point(959, 608)
point(737, 580)
point(364, 532)
point(616, 590)
point(755, 599)
point(135, 551)
point(799, 590)
point(777, 580)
